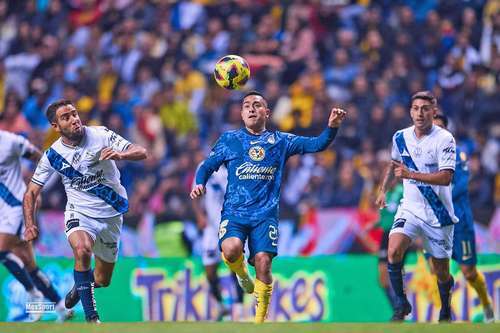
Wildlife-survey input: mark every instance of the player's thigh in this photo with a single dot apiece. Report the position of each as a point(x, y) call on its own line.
point(264, 237)
point(81, 232)
point(437, 241)
point(8, 241)
point(108, 239)
point(232, 236)
point(464, 247)
point(404, 230)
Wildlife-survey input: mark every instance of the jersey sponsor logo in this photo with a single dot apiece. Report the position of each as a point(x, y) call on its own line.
point(418, 152)
point(249, 170)
point(449, 150)
point(257, 153)
point(88, 181)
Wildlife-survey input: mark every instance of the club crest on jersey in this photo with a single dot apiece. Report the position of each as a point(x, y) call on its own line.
point(257, 153)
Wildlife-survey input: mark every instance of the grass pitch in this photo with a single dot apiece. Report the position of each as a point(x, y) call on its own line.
point(205, 327)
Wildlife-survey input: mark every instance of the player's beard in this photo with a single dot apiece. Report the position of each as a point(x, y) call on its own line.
point(74, 136)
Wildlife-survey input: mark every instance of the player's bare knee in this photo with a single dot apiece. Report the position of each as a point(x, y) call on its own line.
point(232, 249)
point(82, 252)
point(469, 272)
point(395, 254)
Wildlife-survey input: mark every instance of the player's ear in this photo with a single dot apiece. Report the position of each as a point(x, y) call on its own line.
point(268, 113)
point(55, 127)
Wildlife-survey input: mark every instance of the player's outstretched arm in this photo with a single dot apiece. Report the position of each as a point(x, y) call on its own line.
point(442, 177)
point(388, 178)
point(132, 153)
point(304, 144)
point(29, 206)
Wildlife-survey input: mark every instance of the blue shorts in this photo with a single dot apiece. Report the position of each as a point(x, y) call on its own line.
point(464, 244)
point(262, 235)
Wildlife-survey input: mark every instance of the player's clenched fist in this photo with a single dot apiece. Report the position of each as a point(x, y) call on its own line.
point(336, 117)
point(197, 191)
point(110, 154)
point(400, 170)
point(31, 233)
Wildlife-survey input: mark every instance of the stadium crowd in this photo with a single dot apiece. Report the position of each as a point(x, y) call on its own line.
point(144, 69)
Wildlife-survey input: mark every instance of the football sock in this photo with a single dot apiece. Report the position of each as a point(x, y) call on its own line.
point(85, 289)
point(239, 291)
point(262, 293)
point(479, 285)
point(396, 276)
point(214, 289)
point(390, 296)
point(239, 267)
point(43, 284)
point(16, 267)
point(445, 293)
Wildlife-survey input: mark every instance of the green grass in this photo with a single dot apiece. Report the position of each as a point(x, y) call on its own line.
point(245, 328)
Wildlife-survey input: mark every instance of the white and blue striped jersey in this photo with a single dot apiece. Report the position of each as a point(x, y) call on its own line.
point(12, 186)
point(431, 153)
point(92, 186)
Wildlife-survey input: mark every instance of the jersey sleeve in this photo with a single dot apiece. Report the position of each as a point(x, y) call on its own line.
point(447, 153)
point(115, 141)
point(214, 160)
point(43, 171)
point(303, 144)
point(21, 146)
point(395, 154)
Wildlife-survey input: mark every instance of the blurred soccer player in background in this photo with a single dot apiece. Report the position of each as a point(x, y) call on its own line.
point(16, 254)
point(208, 216)
point(464, 240)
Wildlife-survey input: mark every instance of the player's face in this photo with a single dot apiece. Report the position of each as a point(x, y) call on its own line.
point(422, 113)
point(68, 123)
point(254, 112)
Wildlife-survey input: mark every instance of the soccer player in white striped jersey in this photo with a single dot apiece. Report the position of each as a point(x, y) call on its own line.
point(208, 216)
point(84, 157)
point(15, 253)
point(424, 157)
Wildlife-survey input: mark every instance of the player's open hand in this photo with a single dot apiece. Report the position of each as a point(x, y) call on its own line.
point(31, 233)
point(197, 191)
point(110, 154)
point(336, 117)
point(400, 170)
point(380, 201)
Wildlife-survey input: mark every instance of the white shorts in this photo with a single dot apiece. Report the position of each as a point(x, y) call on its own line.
point(437, 241)
point(210, 246)
point(12, 221)
point(104, 231)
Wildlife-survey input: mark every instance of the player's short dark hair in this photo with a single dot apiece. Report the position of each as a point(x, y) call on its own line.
point(426, 96)
point(443, 118)
point(53, 107)
point(253, 92)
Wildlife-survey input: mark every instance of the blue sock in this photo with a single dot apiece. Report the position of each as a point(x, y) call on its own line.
point(396, 276)
point(445, 293)
point(43, 284)
point(16, 266)
point(85, 289)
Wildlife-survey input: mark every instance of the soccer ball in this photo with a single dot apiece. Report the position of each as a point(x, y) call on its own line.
point(231, 72)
